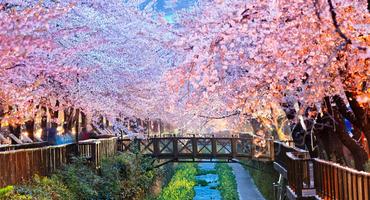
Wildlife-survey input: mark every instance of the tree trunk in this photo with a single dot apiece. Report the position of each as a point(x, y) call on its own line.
point(30, 128)
point(44, 123)
point(359, 154)
point(362, 116)
point(54, 116)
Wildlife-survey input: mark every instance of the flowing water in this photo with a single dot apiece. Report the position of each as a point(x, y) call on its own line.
point(206, 188)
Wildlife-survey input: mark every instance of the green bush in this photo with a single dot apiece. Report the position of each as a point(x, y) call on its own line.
point(44, 188)
point(81, 180)
point(136, 175)
point(227, 187)
point(8, 193)
point(181, 185)
point(124, 176)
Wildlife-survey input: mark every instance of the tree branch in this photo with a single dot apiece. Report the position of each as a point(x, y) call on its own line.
point(335, 22)
point(220, 117)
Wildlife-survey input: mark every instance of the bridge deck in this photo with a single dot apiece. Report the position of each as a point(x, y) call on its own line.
point(179, 148)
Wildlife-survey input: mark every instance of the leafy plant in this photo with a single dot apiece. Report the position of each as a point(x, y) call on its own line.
point(81, 179)
point(44, 188)
point(8, 193)
point(227, 187)
point(181, 184)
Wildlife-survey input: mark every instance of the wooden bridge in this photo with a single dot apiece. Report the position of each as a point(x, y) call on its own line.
point(306, 178)
point(205, 148)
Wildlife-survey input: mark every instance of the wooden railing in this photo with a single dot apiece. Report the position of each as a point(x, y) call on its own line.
point(176, 148)
point(21, 165)
point(316, 178)
point(333, 181)
point(281, 157)
point(300, 175)
point(22, 146)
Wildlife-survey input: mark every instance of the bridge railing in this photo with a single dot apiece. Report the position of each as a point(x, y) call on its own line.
point(200, 147)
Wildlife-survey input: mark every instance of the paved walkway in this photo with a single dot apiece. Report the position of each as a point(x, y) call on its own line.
point(246, 188)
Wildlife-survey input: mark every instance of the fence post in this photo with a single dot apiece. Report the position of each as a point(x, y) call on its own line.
point(175, 148)
point(195, 146)
point(234, 146)
point(214, 147)
point(156, 146)
point(95, 158)
point(272, 148)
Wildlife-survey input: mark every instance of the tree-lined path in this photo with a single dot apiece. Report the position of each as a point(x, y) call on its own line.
point(285, 83)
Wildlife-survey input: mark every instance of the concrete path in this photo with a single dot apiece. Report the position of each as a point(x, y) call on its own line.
point(246, 188)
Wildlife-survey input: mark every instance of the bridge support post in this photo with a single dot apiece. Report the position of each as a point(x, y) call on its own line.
point(214, 147)
point(175, 148)
point(194, 145)
point(156, 150)
point(233, 147)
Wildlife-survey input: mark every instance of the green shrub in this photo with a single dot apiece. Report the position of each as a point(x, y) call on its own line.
point(8, 193)
point(124, 176)
point(44, 188)
point(227, 187)
point(136, 174)
point(181, 185)
point(81, 179)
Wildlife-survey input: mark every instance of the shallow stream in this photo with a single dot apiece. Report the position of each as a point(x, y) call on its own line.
point(206, 188)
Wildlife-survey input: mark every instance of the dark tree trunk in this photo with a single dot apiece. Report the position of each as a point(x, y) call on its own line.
point(83, 122)
point(362, 117)
point(329, 141)
point(69, 119)
point(30, 127)
point(44, 123)
point(54, 115)
point(359, 154)
point(2, 113)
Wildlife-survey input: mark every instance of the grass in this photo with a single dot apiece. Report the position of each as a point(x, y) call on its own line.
point(181, 185)
point(227, 187)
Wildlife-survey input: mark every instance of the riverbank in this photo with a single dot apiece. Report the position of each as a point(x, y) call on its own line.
point(264, 176)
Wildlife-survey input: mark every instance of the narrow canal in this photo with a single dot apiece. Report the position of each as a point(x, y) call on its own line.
point(207, 183)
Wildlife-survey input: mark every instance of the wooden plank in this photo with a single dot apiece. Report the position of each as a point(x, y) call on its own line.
point(366, 187)
point(349, 182)
point(2, 168)
point(345, 183)
point(354, 186)
point(359, 187)
point(336, 182)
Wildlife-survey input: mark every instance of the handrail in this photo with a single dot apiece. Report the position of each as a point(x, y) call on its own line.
point(21, 164)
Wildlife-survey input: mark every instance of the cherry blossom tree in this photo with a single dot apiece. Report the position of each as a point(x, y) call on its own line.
point(251, 55)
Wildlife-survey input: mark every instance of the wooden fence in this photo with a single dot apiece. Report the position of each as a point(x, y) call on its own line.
point(333, 181)
point(21, 165)
point(22, 146)
point(319, 179)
